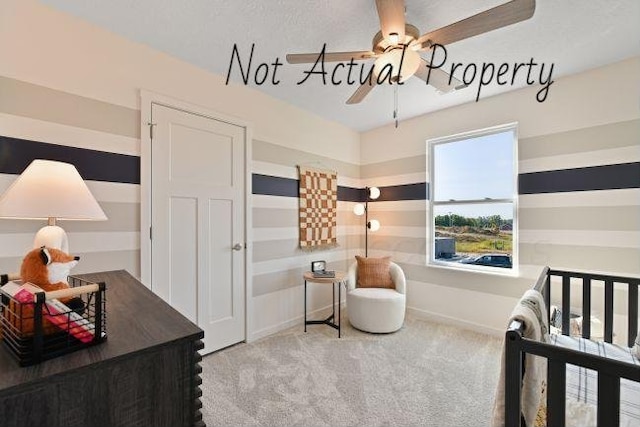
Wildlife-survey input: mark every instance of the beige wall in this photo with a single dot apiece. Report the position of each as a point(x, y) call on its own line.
point(64, 81)
point(589, 119)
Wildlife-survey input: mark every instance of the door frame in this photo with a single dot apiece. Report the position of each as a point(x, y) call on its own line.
point(147, 99)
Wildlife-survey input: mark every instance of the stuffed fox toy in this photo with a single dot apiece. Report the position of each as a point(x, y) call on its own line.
point(48, 269)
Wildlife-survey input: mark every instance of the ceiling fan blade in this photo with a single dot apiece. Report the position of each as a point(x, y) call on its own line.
point(438, 78)
point(306, 58)
point(500, 16)
point(363, 90)
point(391, 14)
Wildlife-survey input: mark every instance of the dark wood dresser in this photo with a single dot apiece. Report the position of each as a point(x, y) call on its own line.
point(147, 373)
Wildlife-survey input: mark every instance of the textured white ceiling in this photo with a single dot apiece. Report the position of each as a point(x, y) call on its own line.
point(574, 35)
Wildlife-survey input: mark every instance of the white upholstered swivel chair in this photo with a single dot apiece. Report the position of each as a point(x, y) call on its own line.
point(378, 310)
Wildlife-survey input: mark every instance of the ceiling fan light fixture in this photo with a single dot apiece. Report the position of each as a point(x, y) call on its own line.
point(389, 63)
point(396, 37)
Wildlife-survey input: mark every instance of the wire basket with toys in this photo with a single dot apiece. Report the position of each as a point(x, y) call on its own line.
point(45, 313)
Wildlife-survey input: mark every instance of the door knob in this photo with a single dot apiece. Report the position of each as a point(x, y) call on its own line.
point(237, 247)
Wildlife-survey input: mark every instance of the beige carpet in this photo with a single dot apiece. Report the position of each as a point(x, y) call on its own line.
point(426, 374)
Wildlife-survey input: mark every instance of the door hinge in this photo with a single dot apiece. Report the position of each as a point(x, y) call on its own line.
point(150, 233)
point(151, 125)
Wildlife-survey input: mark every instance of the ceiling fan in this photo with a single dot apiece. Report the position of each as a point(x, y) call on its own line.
point(397, 40)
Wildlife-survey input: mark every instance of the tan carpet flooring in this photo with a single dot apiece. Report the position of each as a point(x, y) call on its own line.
point(426, 374)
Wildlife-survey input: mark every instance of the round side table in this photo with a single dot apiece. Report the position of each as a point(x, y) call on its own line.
point(337, 281)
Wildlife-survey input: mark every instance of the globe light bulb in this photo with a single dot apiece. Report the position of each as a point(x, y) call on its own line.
point(358, 209)
point(374, 193)
point(374, 225)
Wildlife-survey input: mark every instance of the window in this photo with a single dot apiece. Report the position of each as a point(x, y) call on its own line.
point(472, 203)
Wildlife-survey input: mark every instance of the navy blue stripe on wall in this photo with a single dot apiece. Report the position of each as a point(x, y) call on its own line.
point(274, 185)
point(418, 191)
point(350, 194)
point(287, 187)
point(16, 154)
point(606, 177)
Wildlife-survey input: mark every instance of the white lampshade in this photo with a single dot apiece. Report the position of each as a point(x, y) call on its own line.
point(50, 190)
point(410, 64)
point(374, 193)
point(358, 209)
point(374, 225)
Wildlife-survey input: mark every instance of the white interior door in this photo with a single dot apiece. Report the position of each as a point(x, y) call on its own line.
point(197, 214)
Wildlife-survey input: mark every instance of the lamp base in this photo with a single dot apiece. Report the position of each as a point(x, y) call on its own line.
point(52, 236)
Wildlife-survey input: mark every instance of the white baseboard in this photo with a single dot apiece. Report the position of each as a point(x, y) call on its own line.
point(453, 321)
point(296, 321)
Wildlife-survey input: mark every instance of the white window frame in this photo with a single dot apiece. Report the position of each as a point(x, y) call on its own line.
point(431, 260)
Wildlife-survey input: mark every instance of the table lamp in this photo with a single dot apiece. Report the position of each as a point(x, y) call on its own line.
point(53, 191)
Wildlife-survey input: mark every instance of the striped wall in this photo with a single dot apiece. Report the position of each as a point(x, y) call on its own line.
point(106, 118)
point(569, 147)
point(579, 209)
point(278, 262)
point(595, 228)
point(102, 141)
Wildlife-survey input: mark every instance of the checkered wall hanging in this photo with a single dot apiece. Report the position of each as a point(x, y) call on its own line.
point(318, 203)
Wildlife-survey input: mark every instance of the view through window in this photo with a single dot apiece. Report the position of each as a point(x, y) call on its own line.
point(472, 203)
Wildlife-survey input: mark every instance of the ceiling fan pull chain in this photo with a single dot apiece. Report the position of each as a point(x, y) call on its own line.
point(395, 103)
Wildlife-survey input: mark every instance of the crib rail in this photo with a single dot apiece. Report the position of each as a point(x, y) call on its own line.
point(609, 374)
point(609, 371)
point(632, 285)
